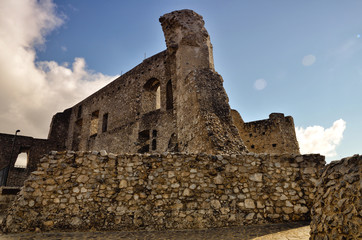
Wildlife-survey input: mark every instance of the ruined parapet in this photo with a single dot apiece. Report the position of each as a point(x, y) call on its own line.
point(337, 209)
point(274, 135)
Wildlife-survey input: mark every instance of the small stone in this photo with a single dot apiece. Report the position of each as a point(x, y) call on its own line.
point(218, 179)
point(31, 203)
point(256, 177)
point(76, 221)
point(249, 203)
point(37, 193)
point(287, 210)
point(192, 186)
point(48, 223)
point(171, 174)
point(186, 192)
point(123, 183)
point(309, 170)
point(260, 204)
point(283, 197)
point(175, 185)
point(250, 216)
point(241, 204)
point(82, 179)
point(103, 153)
point(215, 204)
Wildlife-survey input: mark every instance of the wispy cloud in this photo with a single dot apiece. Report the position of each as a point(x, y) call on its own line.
point(31, 92)
point(347, 49)
point(317, 139)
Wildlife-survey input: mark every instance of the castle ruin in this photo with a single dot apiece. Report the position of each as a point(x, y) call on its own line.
point(173, 101)
point(160, 148)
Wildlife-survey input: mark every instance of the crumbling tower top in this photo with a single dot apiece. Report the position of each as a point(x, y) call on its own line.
point(184, 30)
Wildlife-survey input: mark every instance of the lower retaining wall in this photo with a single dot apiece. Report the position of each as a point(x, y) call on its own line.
point(337, 209)
point(91, 190)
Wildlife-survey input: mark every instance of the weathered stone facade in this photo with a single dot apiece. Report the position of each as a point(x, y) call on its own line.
point(86, 190)
point(34, 148)
point(173, 101)
point(337, 208)
point(275, 135)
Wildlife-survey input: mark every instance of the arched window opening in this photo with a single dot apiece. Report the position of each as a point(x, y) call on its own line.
point(22, 160)
point(151, 98)
point(169, 96)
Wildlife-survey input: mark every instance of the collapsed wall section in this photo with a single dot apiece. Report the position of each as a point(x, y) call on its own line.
point(337, 208)
point(86, 190)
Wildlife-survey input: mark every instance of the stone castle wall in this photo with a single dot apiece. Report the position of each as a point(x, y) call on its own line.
point(337, 209)
point(172, 101)
point(275, 135)
point(34, 148)
point(87, 190)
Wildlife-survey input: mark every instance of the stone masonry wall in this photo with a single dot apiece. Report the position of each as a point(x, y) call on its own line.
point(337, 209)
point(35, 149)
point(96, 190)
point(275, 135)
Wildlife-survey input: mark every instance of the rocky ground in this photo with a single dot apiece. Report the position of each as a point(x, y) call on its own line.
point(281, 231)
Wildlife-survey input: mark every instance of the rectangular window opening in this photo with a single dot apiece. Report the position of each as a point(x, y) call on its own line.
point(94, 123)
point(105, 122)
point(154, 144)
point(21, 160)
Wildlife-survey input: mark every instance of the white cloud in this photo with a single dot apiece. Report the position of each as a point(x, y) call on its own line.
point(31, 92)
point(308, 60)
point(316, 139)
point(260, 84)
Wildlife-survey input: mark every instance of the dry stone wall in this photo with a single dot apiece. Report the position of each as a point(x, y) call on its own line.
point(337, 209)
point(96, 190)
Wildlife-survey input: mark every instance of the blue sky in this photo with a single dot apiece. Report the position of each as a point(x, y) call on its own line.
point(301, 58)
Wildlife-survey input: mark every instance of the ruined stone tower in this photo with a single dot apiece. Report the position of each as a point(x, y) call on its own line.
point(172, 101)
